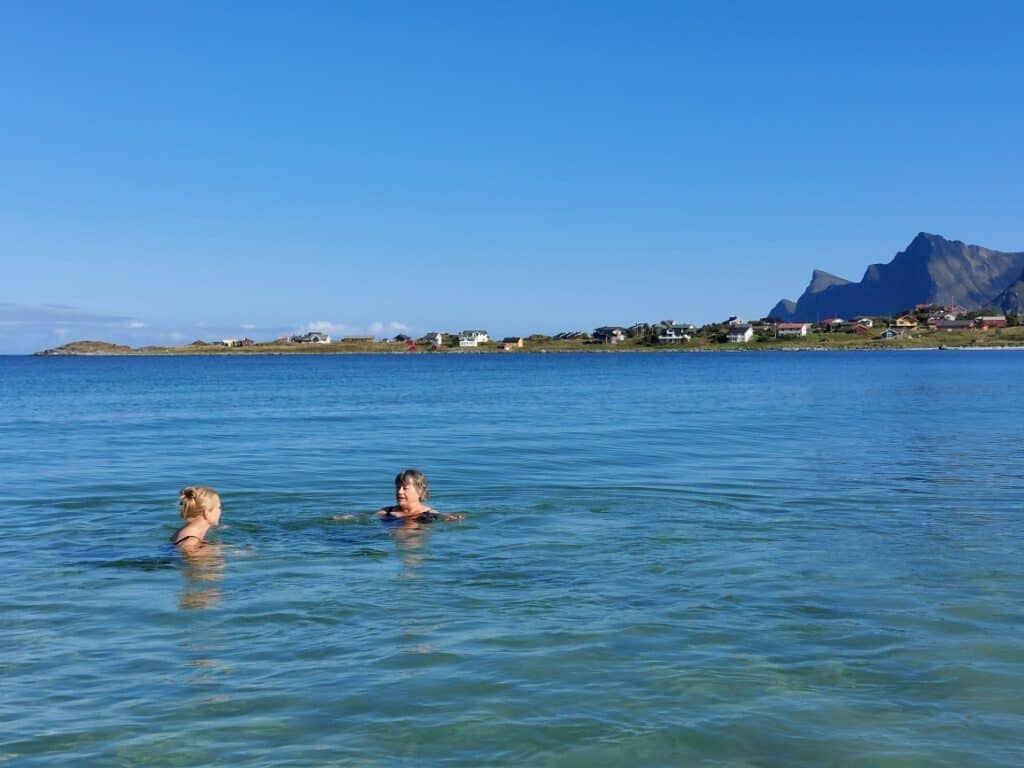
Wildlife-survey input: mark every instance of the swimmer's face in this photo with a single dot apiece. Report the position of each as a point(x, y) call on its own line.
point(213, 515)
point(407, 494)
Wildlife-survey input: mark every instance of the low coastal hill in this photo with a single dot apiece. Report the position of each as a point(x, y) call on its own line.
point(932, 270)
point(708, 339)
point(89, 348)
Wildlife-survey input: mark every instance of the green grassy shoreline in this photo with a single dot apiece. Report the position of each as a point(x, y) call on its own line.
point(1007, 338)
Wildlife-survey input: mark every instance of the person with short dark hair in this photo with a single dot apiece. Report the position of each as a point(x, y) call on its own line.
point(411, 491)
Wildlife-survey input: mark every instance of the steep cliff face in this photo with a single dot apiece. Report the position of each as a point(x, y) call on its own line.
point(930, 270)
point(1011, 301)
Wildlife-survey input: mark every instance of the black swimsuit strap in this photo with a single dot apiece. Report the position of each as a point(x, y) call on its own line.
point(426, 516)
point(186, 538)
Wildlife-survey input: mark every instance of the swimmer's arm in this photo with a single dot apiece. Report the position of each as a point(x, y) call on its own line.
point(449, 517)
point(361, 516)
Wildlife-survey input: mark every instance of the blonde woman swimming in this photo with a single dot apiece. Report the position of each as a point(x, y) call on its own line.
point(199, 507)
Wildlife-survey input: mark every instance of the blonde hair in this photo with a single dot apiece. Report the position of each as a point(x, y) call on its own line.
point(415, 477)
point(196, 500)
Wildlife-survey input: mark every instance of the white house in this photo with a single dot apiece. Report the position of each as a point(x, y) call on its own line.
point(472, 338)
point(741, 334)
point(434, 337)
point(735, 321)
point(865, 322)
point(313, 337)
point(669, 332)
point(792, 329)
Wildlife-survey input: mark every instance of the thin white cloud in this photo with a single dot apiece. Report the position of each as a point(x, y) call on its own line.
point(20, 314)
point(30, 328)
point(25, 328)
point(326, 326)
point(378, 327)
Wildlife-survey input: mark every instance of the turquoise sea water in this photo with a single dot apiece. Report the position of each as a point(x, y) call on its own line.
point(789, 559)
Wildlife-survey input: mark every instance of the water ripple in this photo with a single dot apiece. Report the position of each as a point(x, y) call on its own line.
point(743, 560)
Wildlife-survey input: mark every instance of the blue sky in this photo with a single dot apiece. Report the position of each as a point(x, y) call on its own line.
point(201, 170)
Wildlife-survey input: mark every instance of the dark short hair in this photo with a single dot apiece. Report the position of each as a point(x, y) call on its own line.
point(415, 477)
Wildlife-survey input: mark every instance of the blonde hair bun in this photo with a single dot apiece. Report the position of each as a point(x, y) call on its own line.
point(195, 500)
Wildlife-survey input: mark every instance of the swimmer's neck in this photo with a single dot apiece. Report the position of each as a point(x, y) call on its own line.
point(412, 511)
point(197, 527)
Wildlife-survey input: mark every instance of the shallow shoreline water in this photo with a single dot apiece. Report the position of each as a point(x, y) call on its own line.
point(771, 560)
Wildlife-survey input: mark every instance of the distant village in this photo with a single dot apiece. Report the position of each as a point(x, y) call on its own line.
point(734, 330)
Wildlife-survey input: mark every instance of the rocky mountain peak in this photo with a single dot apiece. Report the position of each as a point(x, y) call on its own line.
point(820, 280)
point(931, 269)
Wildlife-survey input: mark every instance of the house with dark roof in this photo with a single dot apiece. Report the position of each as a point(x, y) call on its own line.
point(741, 334)
point(609, 334)
point(473, 338)
point(669, 332)
point(313, 337)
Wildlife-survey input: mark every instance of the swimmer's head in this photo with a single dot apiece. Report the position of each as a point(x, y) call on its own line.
point(199, 501)
point(415, 478)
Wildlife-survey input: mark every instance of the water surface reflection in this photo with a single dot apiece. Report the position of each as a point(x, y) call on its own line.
point(202, 570)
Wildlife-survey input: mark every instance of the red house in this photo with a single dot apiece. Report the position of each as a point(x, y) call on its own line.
point(990, 321)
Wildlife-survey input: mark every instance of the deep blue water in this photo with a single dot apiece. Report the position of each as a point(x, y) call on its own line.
point(788, 559)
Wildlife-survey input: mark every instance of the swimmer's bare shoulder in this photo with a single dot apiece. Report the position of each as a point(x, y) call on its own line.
point(189, 544)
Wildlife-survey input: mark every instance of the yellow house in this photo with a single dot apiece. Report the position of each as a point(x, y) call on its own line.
point(906, 321)
point(511, 342)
